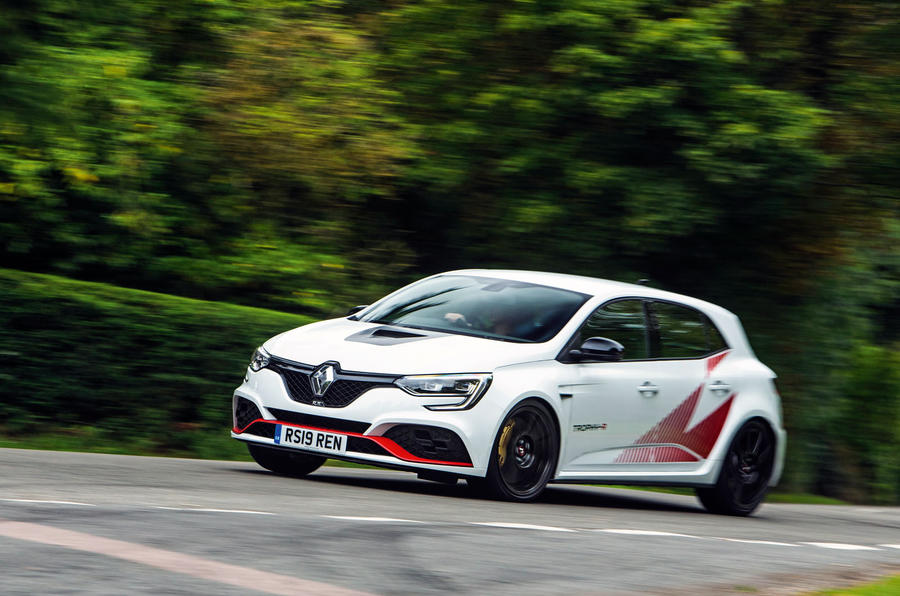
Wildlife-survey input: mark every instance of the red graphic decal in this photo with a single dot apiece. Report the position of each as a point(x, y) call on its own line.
point(644, 455)
point(702, 438)
point(673, 430)
point(714, 362)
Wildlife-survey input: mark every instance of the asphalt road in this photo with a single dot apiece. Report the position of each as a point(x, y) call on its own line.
point(75, 523)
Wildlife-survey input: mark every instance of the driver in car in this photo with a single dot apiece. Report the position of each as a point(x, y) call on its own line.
point(497, 320)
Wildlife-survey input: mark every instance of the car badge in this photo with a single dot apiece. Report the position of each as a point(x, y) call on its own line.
point(322, 379)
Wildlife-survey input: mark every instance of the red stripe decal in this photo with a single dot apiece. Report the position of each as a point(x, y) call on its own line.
point(702, 438)
point(714, 361)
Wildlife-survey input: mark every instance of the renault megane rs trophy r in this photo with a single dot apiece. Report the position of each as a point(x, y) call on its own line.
point(515, 379)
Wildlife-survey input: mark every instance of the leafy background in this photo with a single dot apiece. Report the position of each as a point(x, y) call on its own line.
point(303, 156)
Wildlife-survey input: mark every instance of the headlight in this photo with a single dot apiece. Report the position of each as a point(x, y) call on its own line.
point(259, 360)
point(467, 387)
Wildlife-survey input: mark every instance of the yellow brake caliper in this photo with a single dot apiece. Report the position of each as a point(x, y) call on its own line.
point(504, 441)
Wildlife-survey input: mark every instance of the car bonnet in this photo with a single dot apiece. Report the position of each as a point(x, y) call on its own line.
point(369, 347)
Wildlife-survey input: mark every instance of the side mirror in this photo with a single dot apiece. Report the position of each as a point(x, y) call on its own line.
point(356, 309)
point(598, 349)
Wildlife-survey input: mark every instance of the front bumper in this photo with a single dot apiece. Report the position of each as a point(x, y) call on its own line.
point(384, 427)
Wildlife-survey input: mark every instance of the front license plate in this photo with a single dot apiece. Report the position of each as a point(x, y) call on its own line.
point(306, 438)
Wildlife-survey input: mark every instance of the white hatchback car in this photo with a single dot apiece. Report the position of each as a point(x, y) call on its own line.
point(513, 379)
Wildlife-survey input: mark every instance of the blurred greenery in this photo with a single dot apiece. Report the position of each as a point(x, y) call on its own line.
point(307, 155)
point(126, 369)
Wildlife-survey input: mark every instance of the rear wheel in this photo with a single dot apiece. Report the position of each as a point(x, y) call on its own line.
point(745, 474)
point(286, 463)
point(524, 454)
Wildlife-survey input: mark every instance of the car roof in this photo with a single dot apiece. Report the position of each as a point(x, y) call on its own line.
point(578, 283)
point(594, 286)
point(604, 289)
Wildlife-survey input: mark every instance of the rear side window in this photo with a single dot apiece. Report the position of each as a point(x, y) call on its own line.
point(684, 332)
point(715, 339)
point(622, 321)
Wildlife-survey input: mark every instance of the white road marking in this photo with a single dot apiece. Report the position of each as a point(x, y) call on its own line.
point(172, 561)
point(375, 519)
point(49, 502)
point(208, 510)
point(515, 526)
point(839, 546)
point(508, 525)
point(766, 542)
point(644, 533)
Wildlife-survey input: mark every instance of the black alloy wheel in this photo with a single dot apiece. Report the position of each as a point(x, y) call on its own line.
point(284, 462)
point(746, 471)
point(524, 454)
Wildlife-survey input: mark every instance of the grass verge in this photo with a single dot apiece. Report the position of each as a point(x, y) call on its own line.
point(886, 587)
point(202, 444)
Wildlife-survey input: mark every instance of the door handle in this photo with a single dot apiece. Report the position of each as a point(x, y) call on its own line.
point(719, 387)
point(648, 389)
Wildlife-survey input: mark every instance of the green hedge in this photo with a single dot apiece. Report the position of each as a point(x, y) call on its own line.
point(122, 365)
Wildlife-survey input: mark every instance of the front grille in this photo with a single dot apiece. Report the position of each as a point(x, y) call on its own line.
point(343, 392)
point(340, 393)
point(325, 422)
point(245, 412)
point(430, 442)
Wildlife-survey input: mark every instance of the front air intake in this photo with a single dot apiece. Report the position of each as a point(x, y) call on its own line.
point(245, 412)
point(430, 442)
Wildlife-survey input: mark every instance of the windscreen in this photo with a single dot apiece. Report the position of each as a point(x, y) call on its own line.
point(485, 307)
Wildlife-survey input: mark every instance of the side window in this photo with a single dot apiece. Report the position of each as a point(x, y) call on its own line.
point(684, 332)
point(715, 339)
point(622, 321)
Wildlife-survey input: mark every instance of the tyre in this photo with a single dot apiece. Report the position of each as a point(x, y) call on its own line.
point(286, 463)
point(524, 454)
point(745, 474)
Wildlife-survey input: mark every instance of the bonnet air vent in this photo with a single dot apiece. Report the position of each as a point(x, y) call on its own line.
point(388, 336)
point(382, 332)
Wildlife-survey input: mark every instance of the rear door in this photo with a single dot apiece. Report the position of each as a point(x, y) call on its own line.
point(686, 347)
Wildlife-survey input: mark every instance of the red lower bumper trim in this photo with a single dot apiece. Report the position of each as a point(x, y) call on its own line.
point(385, 443)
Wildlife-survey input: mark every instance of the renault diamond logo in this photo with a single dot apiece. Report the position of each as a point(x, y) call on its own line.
point(322, 379)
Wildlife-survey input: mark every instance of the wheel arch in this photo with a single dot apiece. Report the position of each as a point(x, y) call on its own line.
point(778, 436)
point(751, 418)
point(554, 416)
point(763, 419)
